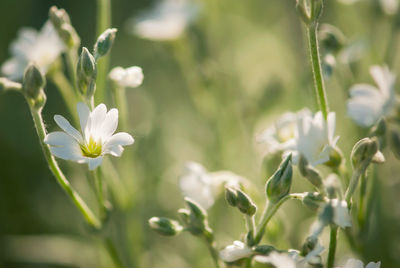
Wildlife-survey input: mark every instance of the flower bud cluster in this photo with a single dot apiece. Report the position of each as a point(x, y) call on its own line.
point(32, 86)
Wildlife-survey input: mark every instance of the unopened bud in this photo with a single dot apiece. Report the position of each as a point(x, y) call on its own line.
point(313, 200)
point(378, 158)
point(34, 82)
point(231, 196)
point(309, 172)
point(316, 9)
point(245, 204)
point(58, 17)
point(6, 84)
point(184, 215)
point(264, 249)
point(165, 226)
point(198, 223)
point(363, 151)
point(332, 39)
point(104, 42)
point(278, 186)
point(309, 245)
point(86, 70)
point(335, 158)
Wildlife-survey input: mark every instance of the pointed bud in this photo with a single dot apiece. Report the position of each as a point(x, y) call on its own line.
point(309, 172)
point(245, 204)
point(303, 11)
point(313, 200)
point(6, 84)
point(165, 226)
point(184, 215)
point(198, 223)
point(278, 186)
point(33, 82)
point(231, 196)
point(364, 151)
point(58, 17)
point(104, 42)
point(86, 70)
point(264, 249)
point(316, 9)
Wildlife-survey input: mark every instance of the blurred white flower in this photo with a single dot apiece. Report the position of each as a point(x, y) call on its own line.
point(238, 250)
point(281, 135)
point(129, 77)
point(390, 7)
point(97, 140)
point(167, 20)
point(41, 48)
point(203, 186)
point(314, 138)
point(353, 52)
point(341, 214)
point(348, 2)
point(279, 260)
point(353, 263)
point(368, 103)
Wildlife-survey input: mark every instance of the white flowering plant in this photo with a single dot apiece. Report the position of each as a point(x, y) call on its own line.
point(307, 190)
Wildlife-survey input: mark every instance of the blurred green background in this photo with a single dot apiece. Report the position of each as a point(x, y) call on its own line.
point(204, 98)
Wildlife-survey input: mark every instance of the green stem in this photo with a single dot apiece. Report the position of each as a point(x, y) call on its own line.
point(119, 94)
point(354, 180)
point(269, 211)
point(213, 252)
point(113, 252)
point(251, 227)
point(98, 181)
point(91, 219)
point(67, 92)
point(103, 23)
point(316, 69)
point(332, 246)
point(363, 190)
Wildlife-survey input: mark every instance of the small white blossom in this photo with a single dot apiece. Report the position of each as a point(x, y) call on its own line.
point(279, 260)
point(167, 20)
point(238, 250)
point(203, 186)
point(280, 136)
point(390, 7)
point(353, 263)
point(41, 48)
point(348, 2)
point(314, 138)
point(129, 77)
point(97, 138)
point(368, 103)
point(341, 214)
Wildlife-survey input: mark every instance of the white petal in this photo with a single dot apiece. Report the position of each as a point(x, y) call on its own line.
point(115, 150)
point(67, 127)
point(373, 265)
point(58, 138)
point(110, 124)
point(71, 152)
point(121, 138)
point(353, 263)
point(95, 162)
point(83, 113)
point(95, 121)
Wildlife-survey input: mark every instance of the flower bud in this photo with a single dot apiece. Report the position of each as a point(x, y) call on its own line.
point(278, 186)
point(58, 17)
point(6, 84)
point(231, 196)
point(165, 226)
point(197, 222)
point(33, 82)
point(104, 43)
point(316, 9)
point(86, 70)
point(309, 172)
point(245, 204)
point(313, 200)
point(263, 249)
point(332, 39)
point(395, 143)
point(335, 158)
point(184, 215)
point(364, 151)
point(310, 243)
point(303, 11)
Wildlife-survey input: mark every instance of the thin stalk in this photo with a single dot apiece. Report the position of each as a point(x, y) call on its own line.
point(91, 219)
point(67, 92)
point(354, 180)
point(363, 190)
point(119, 94)
point(213, 252)
point(251, 227)
point(316, 69)
point(98, 181)
point(103, 23)
point(332, 246)
point(113, 252)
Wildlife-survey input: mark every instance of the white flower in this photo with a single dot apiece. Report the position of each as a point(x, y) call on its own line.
point(279, 260)
point(348, 2)
point(281, 135)
point(167, 20)
point(353, 263)
point(341, 214)
point(390, 7)
point(238, 250)
point(314, 138)
point(41, 48)
point(129, 77)
point(203, 186)
point(368, 103)
point(96, 141)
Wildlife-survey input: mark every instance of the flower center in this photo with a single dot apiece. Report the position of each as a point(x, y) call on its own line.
point(92, 148)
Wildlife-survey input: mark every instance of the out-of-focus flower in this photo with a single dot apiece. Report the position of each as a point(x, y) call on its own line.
point(390, 7)
point(129, 77)
point(203, 186)
point(352, 52)
point(238, 250)
point(41, 48)
point(98, 139)
point(341, 216)
point(281, 135)
point(348, 2)
point(353, 263)
point(368, 103)
point(314, 138)
point(167, 20)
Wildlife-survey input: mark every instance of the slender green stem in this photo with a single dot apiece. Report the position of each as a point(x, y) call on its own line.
point(113, 252)
point(251, 227)
point(91, 219)
point(332, 246)
point(119, 94)
point(363, 190)
point(213, 251)
point(98, 181)
point(103, 23)
point(316, 69)
point(66, 91)
point(354, 180)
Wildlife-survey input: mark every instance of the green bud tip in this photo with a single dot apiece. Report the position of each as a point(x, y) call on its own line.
point(364, 151)
point(58, 17)
point(231, 196)
point(165, 226)
point(104, 42)
point(278, 185)
point(245, 204)
point(33, 82)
